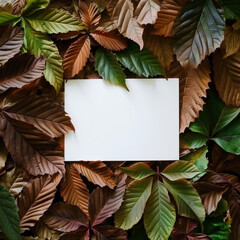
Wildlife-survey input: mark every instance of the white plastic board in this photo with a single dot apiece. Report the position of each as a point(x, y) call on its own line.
point(114, 124)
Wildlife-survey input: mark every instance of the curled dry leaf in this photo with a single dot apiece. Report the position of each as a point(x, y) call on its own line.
point(28, 69)
point(193, 86)
point(10, 45)
point(76, 56)
point(110, 40)
point(121, 13)
point(147, 11)
point(74, 190)
point(30, 203)
point(167, 15)
point(96, 172)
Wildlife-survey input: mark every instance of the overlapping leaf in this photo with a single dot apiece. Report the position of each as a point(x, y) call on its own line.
point(198, 31)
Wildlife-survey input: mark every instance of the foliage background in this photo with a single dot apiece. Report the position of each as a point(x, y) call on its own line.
point(43, 42)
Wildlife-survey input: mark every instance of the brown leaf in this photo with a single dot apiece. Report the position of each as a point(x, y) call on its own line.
point(193, 86)
point(28, 69)
point(3, 155)
point(81, 234)
point(231, 43)
point(198, 236)
point(35, 199)
point(226, 77)
point(161, 48)
point(65, 218)
point(31, 150)
point(43, 113)
point(65, 36)
point(121, 13)
point(167, 15)
point(89, 13)
point(11, 43)
point(110, 40)
point(76, 56)
point(110, 233)
point(74, 190)
point(14, 180)
point(17, 6)
point(104, 202)
point(96, 172)
point(147, 11)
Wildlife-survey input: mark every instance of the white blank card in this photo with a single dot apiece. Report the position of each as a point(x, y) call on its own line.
point(113, 124)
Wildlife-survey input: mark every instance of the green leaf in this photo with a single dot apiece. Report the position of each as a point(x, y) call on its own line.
point(229, 137)
point(198, 31)
point(180, 170)
point(54, 21)
point(9, 18)
point(135, 199)
point(233, 5)
point(108, 67)
point(192, 140)
point(187, 199)
point(140, 62)
point(9, 220)
point(138, 170)
point(37, 43)
point(160, 215)
point(33, 6)
point(198, 158)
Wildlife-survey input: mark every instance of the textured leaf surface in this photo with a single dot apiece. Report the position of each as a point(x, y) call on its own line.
point(135, 199)
point(37, 43)
point(110, 233)
point(160, 215)
point(54, 21)
point(9, 18)
point(109, 68)
point(17, 6)
point(138, 170)
point(233, 5)
point(140, 62)
point(193, 86)
point(30, 203)
point(64, 217)
point(193, 140)
point(34, 5)
point(146, 11)
point(35, 152)
point(122, 14)
point(167, 15)
point(179, 170)
point(28, 69)
point(111, 40)
point(226, 77)
point(104, 202)
point(12, 44)
point(74, 190)
point(198, 31)
point(76, 56)
point(9, 220)
point(96, 172)
point(187, 199)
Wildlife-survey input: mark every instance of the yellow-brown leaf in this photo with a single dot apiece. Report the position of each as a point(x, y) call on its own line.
point(74, 190)
point(110, 40)
point(76, 56)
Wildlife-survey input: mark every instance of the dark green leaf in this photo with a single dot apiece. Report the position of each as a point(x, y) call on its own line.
point(33, 6)
point(9, 18)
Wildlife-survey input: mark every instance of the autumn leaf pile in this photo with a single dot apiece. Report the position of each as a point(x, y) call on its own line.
point(43, 42)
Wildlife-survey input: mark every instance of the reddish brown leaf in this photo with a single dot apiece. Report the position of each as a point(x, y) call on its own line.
point(32, 150)
point(65, 218)
point(81, 234)
point(121, 13)
point(198, 236)
point(11, 43)
point(43, 113)
point(96, 172)
point(110, 40)
point(110, 233)
point(35, 199)
point(104, 202)
point(17, 6)
point(65, 36)
point(167, 15)
point(74, 190)
point(89, 13)
point(76, 56)
point(193, 86)
point(28, 69)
